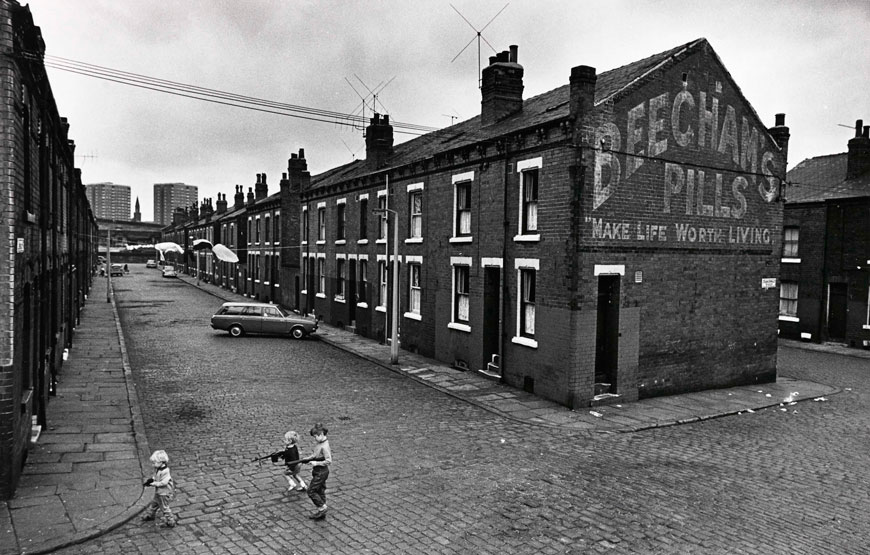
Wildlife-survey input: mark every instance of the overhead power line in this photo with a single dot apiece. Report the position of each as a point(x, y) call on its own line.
point(219, 97)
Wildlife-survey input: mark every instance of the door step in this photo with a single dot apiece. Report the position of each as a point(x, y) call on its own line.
point(604, 399)
point(601, 387)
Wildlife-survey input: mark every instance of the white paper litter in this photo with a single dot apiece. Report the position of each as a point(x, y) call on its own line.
point(820, 399)
point(595, 414)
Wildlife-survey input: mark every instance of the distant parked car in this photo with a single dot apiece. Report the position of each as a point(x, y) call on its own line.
point(241, 318)
point(151, 264)
point(169, 271)
point(117, 270)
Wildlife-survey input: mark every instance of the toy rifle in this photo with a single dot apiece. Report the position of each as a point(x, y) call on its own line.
point(278, 454)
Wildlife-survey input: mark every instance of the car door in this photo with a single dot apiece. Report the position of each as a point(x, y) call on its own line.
point(273, 322)
point(252, 319)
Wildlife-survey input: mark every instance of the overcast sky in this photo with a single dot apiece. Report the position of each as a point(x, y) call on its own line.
point(809, 59)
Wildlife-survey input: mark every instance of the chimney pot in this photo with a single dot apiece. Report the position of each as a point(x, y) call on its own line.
point(492, 59)
point(302, 153)
point(866, 133)
point(514, 49)
point(858, 124)
point(292, 155)
point(780, 119)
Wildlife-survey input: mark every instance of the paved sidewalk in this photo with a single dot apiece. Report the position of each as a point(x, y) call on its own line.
point(492, 395)
point(84, 475)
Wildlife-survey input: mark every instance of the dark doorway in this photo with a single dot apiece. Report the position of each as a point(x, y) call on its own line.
point(607, 334)
point(351, 293)
point(837, 312)
point(296, 293)
point(491, 320)
point(309, 298)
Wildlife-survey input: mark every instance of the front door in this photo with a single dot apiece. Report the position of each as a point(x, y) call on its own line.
point(491, 320)
point(837, 312)
point(351, 293)
point(607, 334)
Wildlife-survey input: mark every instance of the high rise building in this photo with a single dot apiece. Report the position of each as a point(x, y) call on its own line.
point(109, 201)
point(169, 196)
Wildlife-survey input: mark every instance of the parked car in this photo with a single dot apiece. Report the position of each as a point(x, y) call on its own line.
point(151, 264)
point(241, 318)
point(169, 271)
point(117, 270)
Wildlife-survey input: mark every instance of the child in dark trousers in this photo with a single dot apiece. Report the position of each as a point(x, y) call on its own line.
point(321, 458)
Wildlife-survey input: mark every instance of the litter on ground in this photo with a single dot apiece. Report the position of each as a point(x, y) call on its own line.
point(595, 414)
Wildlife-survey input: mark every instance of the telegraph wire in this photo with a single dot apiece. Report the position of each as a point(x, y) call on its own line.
point(216, 96)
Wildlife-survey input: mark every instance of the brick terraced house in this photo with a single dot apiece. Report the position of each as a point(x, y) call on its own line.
point(49, 253)
point(615, 238)
point(825, 288)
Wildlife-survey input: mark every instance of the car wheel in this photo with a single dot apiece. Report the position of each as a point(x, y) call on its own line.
point(297, 333)
point(236, 331)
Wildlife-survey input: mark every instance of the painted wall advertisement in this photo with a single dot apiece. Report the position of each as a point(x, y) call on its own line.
point(685, 168)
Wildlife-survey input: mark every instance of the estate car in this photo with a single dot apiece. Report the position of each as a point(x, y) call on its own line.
point(240, 318)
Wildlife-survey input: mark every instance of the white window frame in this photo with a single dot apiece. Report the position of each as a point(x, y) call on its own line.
point(383, 219)
point(383, 281)
point(521, 264)
point(787, 316)
point(523, 166)
point(321, 223)
point(320, 267)
point(414, 263)
point(305, 225)
point(414, 190)
point(792, 257)
point(340, 278)
point(466, 262)
point(362, 282)
point(462, 178)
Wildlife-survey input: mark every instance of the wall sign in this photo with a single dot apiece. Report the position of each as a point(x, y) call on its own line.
point(768, 283)
point(20, 245)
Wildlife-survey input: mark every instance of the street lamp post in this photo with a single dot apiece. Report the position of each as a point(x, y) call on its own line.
point(109, 264)
point(394, 341)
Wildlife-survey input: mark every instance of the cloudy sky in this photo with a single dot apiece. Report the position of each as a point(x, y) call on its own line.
point(806, 58)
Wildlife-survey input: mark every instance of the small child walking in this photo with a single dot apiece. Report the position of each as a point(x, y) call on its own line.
point(291, 454)
point(164, 490)
point(319, 460)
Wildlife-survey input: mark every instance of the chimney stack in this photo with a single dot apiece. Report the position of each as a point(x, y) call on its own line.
point(261, 190)
point(379, 141)
point(250, 196)
point(858, 161)
point(239, 198)
point(222, 203)
point(780, 134)
point(501, 87)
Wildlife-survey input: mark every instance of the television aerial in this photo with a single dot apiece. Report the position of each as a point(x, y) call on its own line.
point(479, 36)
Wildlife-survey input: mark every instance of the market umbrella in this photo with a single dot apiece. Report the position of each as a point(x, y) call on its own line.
point(169, 246)
point(201, 244)
point(224, 253)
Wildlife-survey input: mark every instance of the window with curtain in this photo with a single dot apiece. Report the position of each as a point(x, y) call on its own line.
point(267, 231)
point(461, 299)
point(414, 292)
point(321, 275)
point(382, 283)
point(527, 302)
point(788, 298)
point(276, 237)
point(463, 208)
point(340, 278)
point(363, 267)
point(415, 225)
point(257, 228)
point(530, 201)
point(790, 236)
point(382, 217)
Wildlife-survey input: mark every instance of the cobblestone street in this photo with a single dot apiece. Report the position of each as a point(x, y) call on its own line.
point(416, 471)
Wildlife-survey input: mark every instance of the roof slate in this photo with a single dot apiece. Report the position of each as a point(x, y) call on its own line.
point(543, 108)
point(824, 178)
